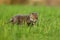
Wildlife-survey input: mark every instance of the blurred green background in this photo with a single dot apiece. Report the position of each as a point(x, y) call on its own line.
point(47, 27)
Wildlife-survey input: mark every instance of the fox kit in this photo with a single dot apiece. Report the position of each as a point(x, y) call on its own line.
point(28, 19)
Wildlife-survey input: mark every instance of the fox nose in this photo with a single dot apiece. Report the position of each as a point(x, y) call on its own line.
point(36, 18)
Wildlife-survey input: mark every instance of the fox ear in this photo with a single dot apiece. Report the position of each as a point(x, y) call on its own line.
point(34, 13)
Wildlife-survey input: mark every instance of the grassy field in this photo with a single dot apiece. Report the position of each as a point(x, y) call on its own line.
point(47, 27)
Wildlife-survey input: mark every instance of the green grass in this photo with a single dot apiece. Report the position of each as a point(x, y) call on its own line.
point(47, 27)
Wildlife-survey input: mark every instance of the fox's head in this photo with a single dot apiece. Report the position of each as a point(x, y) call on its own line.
point(33, 17)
